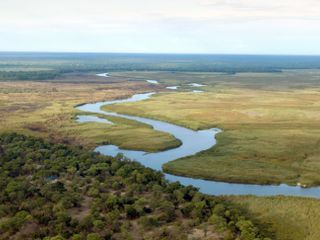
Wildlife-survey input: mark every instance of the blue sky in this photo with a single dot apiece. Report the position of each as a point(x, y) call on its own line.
point(161, 26)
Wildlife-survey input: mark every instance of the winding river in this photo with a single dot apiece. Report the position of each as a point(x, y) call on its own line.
point(192, 143)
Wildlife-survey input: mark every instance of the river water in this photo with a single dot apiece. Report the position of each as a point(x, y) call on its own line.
point(193, 142)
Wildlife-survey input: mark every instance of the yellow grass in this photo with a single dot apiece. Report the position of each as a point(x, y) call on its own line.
point(290, 218)
point(47, 109)
point(271, 136)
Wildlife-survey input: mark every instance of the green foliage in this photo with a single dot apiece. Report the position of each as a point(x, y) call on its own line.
point(218, 222)
point(41, 198)
point(247, 229)
point(93, 236)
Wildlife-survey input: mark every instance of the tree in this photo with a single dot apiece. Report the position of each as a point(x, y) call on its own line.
point(219, 223)
point(16, 190)
point(76, 236)
point(98, 224)
point(131, 212)
point(247, 230)
point(93, 236)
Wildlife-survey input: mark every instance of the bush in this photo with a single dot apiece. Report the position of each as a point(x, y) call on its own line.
point(218, 222)
point(93, 236)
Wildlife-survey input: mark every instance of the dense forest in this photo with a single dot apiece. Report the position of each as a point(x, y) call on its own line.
point(52, 191)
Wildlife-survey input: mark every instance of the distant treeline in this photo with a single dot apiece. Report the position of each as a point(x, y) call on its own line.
point(28, 75)
point(90, 62)
point(47, 75)
point(54, 192)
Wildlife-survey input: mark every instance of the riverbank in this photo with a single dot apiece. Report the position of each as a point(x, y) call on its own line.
point(193, 143)
point(272, 136)
point(46, 109)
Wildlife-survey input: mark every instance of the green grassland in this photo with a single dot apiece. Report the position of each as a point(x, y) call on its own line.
point(272, 135)
point(126, 134)
point(47, 110)
point(290, 218)
point(287, 79)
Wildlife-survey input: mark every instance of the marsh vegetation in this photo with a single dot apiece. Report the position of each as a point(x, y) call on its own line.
point(270, 134)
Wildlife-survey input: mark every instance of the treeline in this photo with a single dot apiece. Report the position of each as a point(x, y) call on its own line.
point(62, 63)
point(28, 75)
point(176, 67)
point(49, 75)
point(95, 62)
point(51, 191)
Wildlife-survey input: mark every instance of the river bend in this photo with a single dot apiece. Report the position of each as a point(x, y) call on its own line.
point(193, 142)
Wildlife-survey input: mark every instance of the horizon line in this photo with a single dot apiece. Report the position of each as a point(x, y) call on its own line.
point(162, 53)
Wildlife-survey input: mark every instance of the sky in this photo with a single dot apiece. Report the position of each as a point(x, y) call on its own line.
point(162, 26)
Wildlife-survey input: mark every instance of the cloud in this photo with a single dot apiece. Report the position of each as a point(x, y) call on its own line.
point(150, 25)
point(300, 9)
point(252, 5)
point(106, 14)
